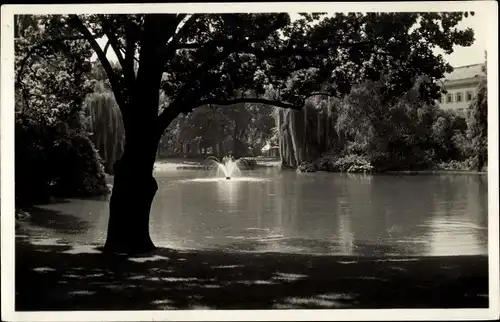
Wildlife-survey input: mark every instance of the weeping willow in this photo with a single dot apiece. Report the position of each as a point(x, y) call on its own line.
point(305, 135)
point(105, 125)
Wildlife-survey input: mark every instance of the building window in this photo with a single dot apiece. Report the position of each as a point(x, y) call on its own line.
point(469, 96)
point(449, 98)
point(440, 100)
point(459, 97)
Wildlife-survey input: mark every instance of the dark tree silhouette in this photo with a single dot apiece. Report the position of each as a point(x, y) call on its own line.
point(223, 59)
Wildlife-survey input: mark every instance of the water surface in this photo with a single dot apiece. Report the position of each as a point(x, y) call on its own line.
point(269, 210)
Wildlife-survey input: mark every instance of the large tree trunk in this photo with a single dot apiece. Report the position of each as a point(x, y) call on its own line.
point(134, 185)
point(133, 192)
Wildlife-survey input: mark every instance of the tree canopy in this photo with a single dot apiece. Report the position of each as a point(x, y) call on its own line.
point(229, 58)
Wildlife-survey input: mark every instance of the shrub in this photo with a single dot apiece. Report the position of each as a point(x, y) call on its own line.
point(353, 163)
point(454, 165)
point(308, 166)
point(78, 167)
point(54, 160)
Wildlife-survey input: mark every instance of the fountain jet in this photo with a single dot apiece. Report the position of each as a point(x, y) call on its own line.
point(227, 168)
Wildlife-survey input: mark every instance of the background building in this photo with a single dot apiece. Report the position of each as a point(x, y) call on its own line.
point(461, 85)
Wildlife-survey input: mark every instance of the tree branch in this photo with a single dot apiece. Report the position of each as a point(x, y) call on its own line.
point(300, 51)
point(166, 117)
point(134, 57)
point(183, 29)
point(230, 47)
point(112, 39)
point(321, 94)
point(172, 43)
point(175, 107)
point(125, 62)
point(113, 80)
point(106, 47)
point(192, 45)
point(272, 53)
point(248, 100)
point(210, 63)
point(195, 75)
point(129, 52)
point(180, 17)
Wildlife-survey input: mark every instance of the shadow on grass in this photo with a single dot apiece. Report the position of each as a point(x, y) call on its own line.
point(63, 277)
point(56, 220)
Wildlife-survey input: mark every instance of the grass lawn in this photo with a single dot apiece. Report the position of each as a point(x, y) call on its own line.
point(70, 277)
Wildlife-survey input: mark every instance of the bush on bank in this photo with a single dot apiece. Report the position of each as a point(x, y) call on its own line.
point(54, 160)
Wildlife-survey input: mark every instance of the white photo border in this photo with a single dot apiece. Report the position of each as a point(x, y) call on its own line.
point(488, 9)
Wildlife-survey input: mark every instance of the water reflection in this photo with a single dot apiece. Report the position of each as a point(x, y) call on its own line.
point(228, 192)
point(346, 237)
point(270, 210)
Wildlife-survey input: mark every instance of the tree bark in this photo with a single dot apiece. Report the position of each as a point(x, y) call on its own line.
point(133, 192)
point(134, 185)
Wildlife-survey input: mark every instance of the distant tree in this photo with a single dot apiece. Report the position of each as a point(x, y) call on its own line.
point(260, 124)
point(105, 125)
point(240, 129)
point(478, 125)
point(392, 135)
point(224, 59)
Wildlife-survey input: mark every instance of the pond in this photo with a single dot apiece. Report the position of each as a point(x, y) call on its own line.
point(274, 210)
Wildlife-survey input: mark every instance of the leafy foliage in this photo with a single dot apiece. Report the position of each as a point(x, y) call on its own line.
point(53, 153)
point(330, 56)
point(478, 127)
point(52, 80)
point(211, 59)
point(378, 135)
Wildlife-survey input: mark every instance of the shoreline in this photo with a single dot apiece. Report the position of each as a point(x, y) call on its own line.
point(471, 172)
point(276, 164)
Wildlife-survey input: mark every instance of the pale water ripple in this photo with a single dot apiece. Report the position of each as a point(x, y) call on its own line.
point(269, 210)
